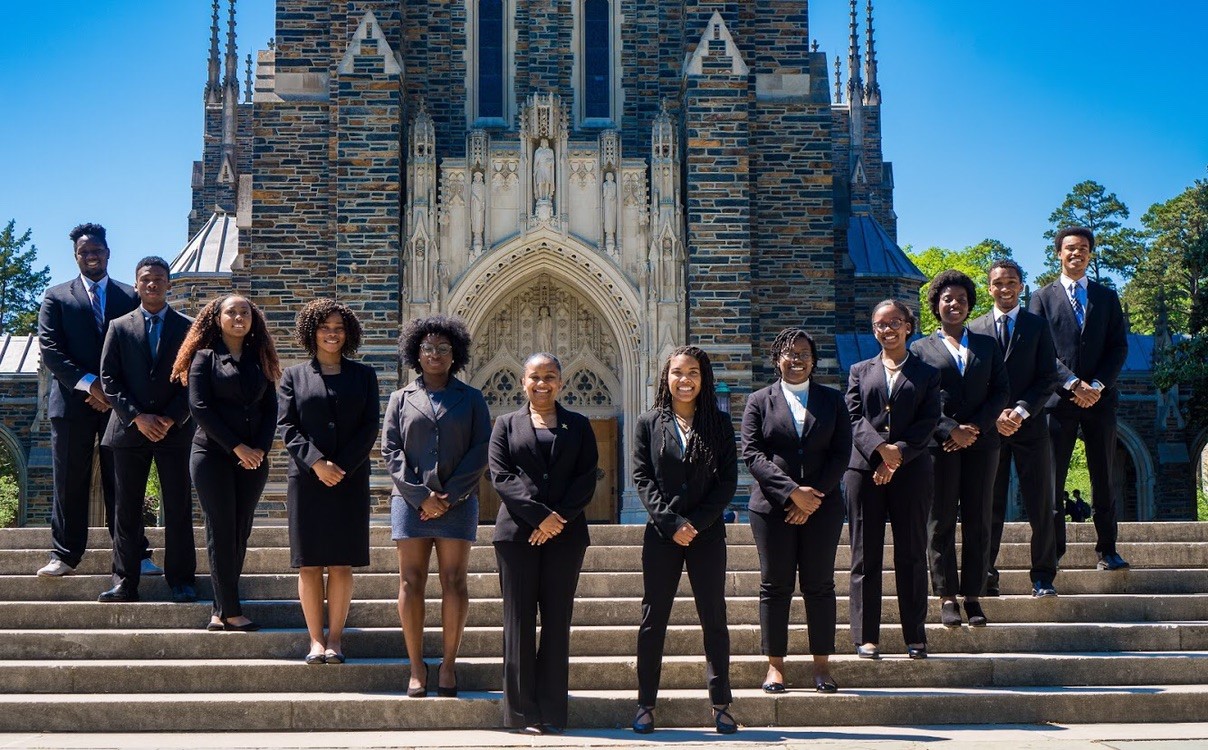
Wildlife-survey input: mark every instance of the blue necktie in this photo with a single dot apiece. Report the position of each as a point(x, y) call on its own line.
point(153, 336)
point(1077, 299)
point(98, 312)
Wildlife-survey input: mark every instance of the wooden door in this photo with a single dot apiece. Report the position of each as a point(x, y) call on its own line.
point(603, 505)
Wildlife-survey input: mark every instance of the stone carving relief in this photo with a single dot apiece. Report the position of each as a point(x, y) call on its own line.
point(421, 283)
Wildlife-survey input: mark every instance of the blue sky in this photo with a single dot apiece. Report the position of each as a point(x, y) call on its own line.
point(992, 112)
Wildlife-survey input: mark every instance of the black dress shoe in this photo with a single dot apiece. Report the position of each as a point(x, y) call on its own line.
point(825, 684)
point(184, 594)
point(916, 652)
point(774, 687)
point(247, 627)
point(991, 584)
point(445, 692)
point(119, 594)
point(977, 617)
point(551, 729)
point(1111, 561)
point(950, 615)
point(868, 652)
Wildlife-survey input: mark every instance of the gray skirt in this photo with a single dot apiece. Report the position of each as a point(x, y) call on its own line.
point(461, 522)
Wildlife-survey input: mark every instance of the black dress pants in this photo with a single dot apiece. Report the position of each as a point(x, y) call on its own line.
point(228, 495)
point(1033, 453)
point(905, 501)
point(1098, 426)
point(964, 481)
point(788, 553)
point(663, 562)
point(536, 579)
point(72, 442)
point(131, 469)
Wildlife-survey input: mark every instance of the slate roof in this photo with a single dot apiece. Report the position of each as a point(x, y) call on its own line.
point(873, 252)
point(212, 250)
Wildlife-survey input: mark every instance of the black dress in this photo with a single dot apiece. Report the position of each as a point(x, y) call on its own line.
point(335, 418)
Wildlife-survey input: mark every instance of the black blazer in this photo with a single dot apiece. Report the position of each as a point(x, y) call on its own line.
point(1031, 362)
point(229, 408)
point(71, 346)
point(1096, 351)
point(530, 487)
point(779, 460)
point(906, 418)
point(674, 491)
point(135, 384)
point(976, 397)
point(316, 425)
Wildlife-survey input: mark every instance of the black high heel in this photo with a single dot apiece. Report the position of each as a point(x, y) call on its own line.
point(724, 727)
point(445, 692)
point(644, 727)
point(422, 690)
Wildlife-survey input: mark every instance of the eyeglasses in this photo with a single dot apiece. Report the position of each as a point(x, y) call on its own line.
point(442, 350)
point(796, 356)
point(889, 325)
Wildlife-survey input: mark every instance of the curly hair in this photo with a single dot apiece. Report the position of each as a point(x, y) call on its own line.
point(205, 333)
point(454, 329)
point(315, 313)
point(784, 342)
point(945, 279)
point(901, 307)
point(708, 424)
point(95, 231)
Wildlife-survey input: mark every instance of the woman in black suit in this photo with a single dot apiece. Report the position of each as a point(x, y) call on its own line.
point(796, 441)
point(329, 410)
point(893, 400)
point(685, 470)
point(230, 366)
point(964, 447)
point(543, 464)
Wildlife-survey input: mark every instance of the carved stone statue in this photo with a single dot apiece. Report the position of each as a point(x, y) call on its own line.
point(478, 210)
point(543, 338)
point(610, 213)
point(543, 171)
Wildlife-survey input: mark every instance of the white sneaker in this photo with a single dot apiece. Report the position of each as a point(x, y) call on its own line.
point(149, 568)
point(55, 569)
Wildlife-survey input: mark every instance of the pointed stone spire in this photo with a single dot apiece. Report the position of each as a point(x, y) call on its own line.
point(838, 81)
point(247, 91)
point(231, 80)
point(872, 90)
point(855, 84)
point(213, 88)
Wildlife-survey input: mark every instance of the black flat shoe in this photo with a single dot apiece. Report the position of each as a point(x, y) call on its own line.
point(724, 727)
point(825, 685)
point(315, 659)
point(774, 687)
point(950, 615)
point(647, 726)
point(247, 627)
point(916, 652)
point(551, 729)
point(977, 617)
point(333, 657)
point(446, 692)
point(868, 652)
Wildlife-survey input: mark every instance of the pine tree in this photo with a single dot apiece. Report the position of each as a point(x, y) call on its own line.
point(21, 287)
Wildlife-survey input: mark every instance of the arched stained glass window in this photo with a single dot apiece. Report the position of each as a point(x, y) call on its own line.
point(597, 65)
point(490, 58)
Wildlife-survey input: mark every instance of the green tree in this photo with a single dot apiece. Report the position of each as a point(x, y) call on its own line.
point(974, 261)
point(21, 287)
point(10, 500)
point(1089, 205)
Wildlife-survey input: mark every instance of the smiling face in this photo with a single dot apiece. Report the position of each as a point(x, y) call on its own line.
point(684, 378)
point(436, 356)
point(542, 382)
point(1005, 287)
point(330, 336)
point(796, 363)
point(92, 257)
point(891, 328)
point(1075, 256)
point(235, 317)
point(152, 285)
point(953, 305)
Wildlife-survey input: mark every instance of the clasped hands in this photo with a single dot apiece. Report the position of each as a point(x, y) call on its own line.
point(249, 458)
point(153, 426)
point(96, 397)
point(1085, 395)
point(1008, 423)
point(435, 505)
point(328, 472)
point(804, 501)
point(961, 437)
point(891, 459)
point(551, 527)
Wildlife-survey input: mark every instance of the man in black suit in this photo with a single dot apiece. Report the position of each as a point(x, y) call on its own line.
point(1032, 370)
point(1091, 338)
point(150, 420)
point(71, 329)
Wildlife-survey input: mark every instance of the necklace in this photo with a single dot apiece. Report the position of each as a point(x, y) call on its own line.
point(684, 424)
point(541, 420)
point(889, 365)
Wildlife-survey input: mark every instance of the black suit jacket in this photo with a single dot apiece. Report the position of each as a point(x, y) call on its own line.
point(675, 492)
point(1031, 362)
point(976, 397)
point(228, 410)
point(136, 385)
point(532, 488)
point(779, 460)
point(317, 425)
point(1096, 351)
point(906, 418)
point(71, 345)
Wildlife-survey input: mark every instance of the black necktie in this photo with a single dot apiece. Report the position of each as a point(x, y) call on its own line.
point(1004, 333)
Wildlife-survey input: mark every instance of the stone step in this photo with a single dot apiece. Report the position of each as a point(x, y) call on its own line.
point(607, 558)
point(277, 535)
point(276, 711)
point(86, 587)
point(600, 641)
point(597, 673)
point(591, 612)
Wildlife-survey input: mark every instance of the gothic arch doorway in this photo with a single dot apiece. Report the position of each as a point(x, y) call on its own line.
point(12, 464)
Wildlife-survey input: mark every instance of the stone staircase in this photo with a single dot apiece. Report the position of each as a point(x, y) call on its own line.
point(1122, 646)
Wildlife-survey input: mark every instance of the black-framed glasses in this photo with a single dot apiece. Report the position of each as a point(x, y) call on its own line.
point(441, 350)
point(889, 325)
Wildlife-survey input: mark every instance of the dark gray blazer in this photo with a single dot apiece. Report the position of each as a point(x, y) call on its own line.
point(906, 418)
point(1094, 352)
point(976, 397)
point(315, 424)
point(428, 453)
point(136, 385)
point(1031, 362)
point(71, 345)
point(779, 460)
point(530, 487)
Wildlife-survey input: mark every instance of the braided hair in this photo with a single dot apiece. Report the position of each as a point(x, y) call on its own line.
point(784, 343)
point(709, 422)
